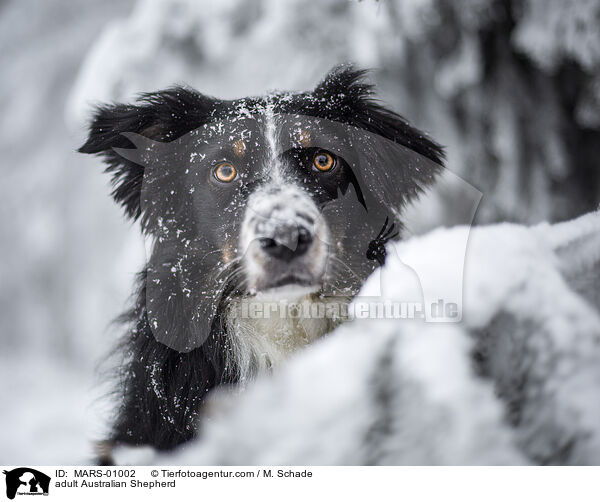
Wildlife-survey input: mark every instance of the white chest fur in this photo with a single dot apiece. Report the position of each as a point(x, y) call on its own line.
point(265, 333)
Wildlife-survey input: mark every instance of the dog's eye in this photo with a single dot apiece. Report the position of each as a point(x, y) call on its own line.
point(225, 172)
point(323, 161)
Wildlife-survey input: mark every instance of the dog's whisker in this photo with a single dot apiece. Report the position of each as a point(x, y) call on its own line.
point(387, 219)
point(336, 262)
point(389, 231)
point(234, 264)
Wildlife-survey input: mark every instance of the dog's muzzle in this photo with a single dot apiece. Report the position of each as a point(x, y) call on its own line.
point(287, 241)
point(283, 240)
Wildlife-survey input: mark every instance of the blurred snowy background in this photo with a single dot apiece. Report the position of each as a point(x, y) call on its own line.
point(512, 88)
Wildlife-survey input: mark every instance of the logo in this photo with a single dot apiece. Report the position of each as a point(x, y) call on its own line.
point(26, 481)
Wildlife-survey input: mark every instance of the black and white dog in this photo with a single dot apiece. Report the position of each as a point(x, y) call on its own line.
point(287, 196)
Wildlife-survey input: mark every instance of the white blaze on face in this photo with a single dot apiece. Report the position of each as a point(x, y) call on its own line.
point(273, 165)
point(271, 208)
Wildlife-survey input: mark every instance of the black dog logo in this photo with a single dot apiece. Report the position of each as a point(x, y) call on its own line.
point(22, 476)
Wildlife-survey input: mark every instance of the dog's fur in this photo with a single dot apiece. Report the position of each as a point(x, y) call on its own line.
point(180, 346)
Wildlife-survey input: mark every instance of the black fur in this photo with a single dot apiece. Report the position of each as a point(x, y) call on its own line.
point(163, 389)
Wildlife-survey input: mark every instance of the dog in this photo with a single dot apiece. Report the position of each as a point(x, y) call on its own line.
point(287, 197)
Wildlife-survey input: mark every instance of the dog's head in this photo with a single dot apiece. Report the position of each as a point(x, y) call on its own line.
point(287, 194)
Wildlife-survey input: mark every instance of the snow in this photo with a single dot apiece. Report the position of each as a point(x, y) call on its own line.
point(69, 258)
point(362, 396)
point(49, 412)
point(397, 391)
point(578, 37)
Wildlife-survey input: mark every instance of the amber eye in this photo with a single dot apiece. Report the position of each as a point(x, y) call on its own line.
point(225, 172)
point(323, 161)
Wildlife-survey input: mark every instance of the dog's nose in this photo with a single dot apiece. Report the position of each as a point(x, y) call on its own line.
point(287, 243)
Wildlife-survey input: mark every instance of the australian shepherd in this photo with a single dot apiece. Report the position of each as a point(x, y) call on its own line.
point(249, 205)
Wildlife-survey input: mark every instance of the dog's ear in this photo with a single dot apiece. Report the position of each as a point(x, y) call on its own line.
point(161, 116)
point(347, 98)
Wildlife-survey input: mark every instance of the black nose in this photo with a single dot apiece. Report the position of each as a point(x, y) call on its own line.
point(288, 244)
